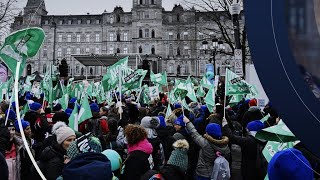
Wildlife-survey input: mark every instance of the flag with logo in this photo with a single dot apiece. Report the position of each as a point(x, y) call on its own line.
point(134, 79)
point(200, 92)
point(21, 45)
point(77, 91)
point(160, 78)
point(235, 85)
point(205, 83)
point(64, 101)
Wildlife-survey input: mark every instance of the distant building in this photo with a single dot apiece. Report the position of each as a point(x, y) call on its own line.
point(171, 40)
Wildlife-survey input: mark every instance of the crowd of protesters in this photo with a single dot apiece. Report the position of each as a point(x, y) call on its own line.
point(145, 143)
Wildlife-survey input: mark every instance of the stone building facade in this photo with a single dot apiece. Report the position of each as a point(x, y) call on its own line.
point(171, 40)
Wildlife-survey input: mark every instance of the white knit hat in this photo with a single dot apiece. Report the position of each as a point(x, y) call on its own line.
point(63, 133)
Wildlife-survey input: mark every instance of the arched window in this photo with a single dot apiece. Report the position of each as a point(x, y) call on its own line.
point(141, 1)
point(178, 36)
point(140, 33)
point(118, 50)
point(178, 51)
point(118, 18)
point(140, 49)
point(153, 34)
point(118, 37)
point(29, 69)
point(171, 50)
point(153, 50)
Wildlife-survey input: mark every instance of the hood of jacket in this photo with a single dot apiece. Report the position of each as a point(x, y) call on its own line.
point(88, 165)
point(143, 146)
point(254, 108)
point(219, 145)
point(53, 151)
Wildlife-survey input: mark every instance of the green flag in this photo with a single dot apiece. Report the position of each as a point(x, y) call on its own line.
point(171, 97)
point(200, 92)
point(279, 133)
point(180, 91)
point(265, 118)
point(46, 86)
point(134, 79)
point(64, 101)
point(191, 94)
point(21, 45)
point(273, 147)
point(169, 111)
point(236, 99)
point(160, 78)
point(235, 85)
point(77, 91)
point(85, 111)
point(210, 99)
point(73, 119)
point(27, 85)
point(24, 110)
point(204, 83)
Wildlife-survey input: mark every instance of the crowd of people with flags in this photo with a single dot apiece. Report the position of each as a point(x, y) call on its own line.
point(123, 128)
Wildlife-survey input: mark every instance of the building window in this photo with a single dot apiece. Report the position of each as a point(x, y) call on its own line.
point(79, 21)
point(153, 34)
point(59, 52)
point(87, 37)
point(111, 50)
point(141, 1)
point(60, 38)
point(45, 51)
point(140, 49)
point(171, 68)
point(178, 36)
point(140, 33)
point(118, 18)
point(68, 51)
point(178, 52)
point(146, 33)
point(78, 51)
point(170, 50)
point(97, 37)
point(185, 35)
point(111, 37)
point(118, 37)
point(44, 68)
point(82, 71)
point(146, 15)
point(186, 50)
point(69, 22)
point(61, 22)
point(118, 50)
point(125, 36)
point(111, 20)
point(69, 38)
point(200, 36)
point(126, 19)
point(152, 2)
point(97, 50)
point(170, 36)
point(88, 21)
point(78, 37)
point(46, 22)
point(98, 21)
point(125, 50)
point(178, 17)
point(87, 50)
point(202, 68)
point(77, 69)
point(153, 50)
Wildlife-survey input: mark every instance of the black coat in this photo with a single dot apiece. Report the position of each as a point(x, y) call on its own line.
point(3, 168)
point(136, 165)
point(4, 138)
point(166, 140)
point(52, 161)
point(252, 114)
point(251, 166)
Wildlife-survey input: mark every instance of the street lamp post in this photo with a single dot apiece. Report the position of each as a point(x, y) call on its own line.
point(217, 47)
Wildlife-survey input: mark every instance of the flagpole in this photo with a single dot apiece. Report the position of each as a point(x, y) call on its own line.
point(26, 145)
point(10, 104)
point(120, 87)
point(225, 95)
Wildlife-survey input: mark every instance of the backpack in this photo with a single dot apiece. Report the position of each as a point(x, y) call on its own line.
point(221, 169)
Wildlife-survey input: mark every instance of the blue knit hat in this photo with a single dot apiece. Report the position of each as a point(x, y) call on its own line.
point(162, 121)
point(94, 107)
point(177, 106)
point(24, 123)
point(256, 125)
point(35, 106)
point(179, 121)
point(289, 164)
point(12, 114)
point(73, 100)
point(28, 96)
point(214, 130)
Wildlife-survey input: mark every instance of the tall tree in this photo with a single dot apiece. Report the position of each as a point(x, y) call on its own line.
point(8, 10)
point(218, 12)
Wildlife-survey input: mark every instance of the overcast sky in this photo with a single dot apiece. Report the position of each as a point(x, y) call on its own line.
point(62, 7)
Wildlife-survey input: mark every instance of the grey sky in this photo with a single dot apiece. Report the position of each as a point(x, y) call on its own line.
point(62, 7)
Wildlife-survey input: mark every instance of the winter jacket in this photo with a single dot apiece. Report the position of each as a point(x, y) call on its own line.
point(171, 172)
point(137, 163)
point(156, 153)
point(157, 109)
point(252, 114)
point(4, 138)
point(166, 140)
point(3, 168)
point(209, 147)
point(52, 159)
point(14, 163)
point(251, 169)
point(25, 161)
point(39, 125)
